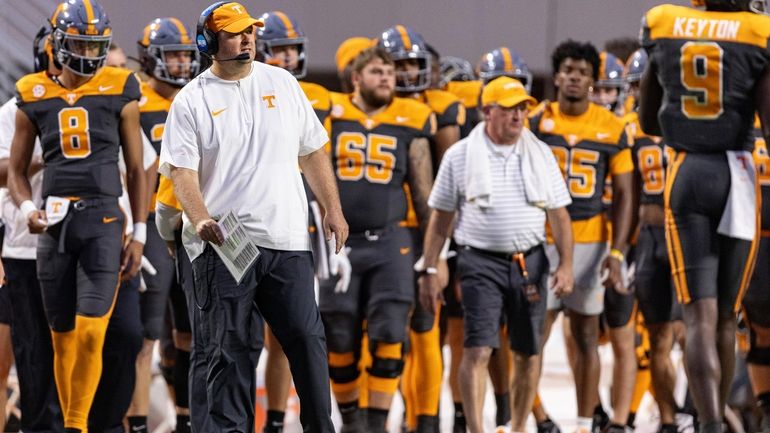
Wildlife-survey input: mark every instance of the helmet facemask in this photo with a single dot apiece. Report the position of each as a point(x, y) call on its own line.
point(81, 54)
point(157, 62)
point(270, 49)
point(413, 71)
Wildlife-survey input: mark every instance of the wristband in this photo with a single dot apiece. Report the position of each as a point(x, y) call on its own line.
point(27, 206)
point(616, 253)
point(140, 233)
point(429, 271)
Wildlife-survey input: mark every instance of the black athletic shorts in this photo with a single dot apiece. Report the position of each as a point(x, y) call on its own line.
point(493, 285)
point(381, 291)
point(704, 264)
point(654, 287)
point(78, 262)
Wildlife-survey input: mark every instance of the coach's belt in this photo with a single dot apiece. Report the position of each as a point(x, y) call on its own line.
point(510, 257)
point(529, 288)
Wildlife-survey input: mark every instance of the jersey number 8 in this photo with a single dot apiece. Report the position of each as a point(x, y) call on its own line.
point(75, 140)
point(701, 71)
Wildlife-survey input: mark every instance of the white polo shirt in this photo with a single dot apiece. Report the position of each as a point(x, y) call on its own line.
point(511, 224)
point(18, 242)
point(243, 138)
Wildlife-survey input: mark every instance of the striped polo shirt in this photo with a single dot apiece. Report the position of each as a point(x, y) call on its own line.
point(511, 224)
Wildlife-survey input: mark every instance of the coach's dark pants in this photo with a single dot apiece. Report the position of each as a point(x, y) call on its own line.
point(280, 284)
point(32, 349)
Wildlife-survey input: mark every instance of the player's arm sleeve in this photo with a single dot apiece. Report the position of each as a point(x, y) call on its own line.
point(430, 127)
point(179, 147)
point(621, 163)
point(167, 219)
point(445, 194)
point(453, 115)
point(131, 90)
point(312, 134)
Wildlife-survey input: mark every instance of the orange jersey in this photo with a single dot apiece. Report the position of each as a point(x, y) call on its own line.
point(588, 148)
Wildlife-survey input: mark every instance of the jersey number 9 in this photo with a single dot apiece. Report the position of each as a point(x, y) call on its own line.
point(701, 71)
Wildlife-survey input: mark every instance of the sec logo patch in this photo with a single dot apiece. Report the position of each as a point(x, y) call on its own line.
point(38, 91)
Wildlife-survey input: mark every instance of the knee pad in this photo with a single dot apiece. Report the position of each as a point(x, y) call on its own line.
point(343, 367)
point(387, 360)
point(759, 349)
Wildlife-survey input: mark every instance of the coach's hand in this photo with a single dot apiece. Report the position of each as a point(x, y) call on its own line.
point(613, 269)
point(131, 259)
point(431, 292)
point(562, 281)
point(37, 221)
point(209, 231)
point(334, 222)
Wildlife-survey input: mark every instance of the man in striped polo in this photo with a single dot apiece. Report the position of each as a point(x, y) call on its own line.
point(503, 183)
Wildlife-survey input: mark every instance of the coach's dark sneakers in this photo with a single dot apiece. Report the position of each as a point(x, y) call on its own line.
point(548, 426)
point(600, 421)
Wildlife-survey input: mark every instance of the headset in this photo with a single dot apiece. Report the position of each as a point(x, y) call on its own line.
point(205, 38)
point(41, 51)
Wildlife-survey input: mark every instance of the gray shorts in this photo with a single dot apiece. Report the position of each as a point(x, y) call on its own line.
point(587, 296)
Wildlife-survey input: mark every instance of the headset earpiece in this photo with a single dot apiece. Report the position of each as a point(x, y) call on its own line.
point(205, 39)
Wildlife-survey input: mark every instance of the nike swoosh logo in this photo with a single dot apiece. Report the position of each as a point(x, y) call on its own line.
point(400, 119)
point(139, 428)
point(218, 112)
point(107, 220)
point(313, 101)
point(105, 88)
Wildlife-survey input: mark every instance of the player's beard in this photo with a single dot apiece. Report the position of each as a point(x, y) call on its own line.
point(372, 99)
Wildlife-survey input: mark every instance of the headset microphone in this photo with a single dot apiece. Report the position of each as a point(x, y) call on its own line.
point(242, 56)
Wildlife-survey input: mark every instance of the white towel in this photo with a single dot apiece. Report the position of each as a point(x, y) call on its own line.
point(535, 159)
point(739, 219)
point(478, 179)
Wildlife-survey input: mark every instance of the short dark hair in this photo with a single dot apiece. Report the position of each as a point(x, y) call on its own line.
point(622, 48)
point(370, 54)
point(570, 49)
